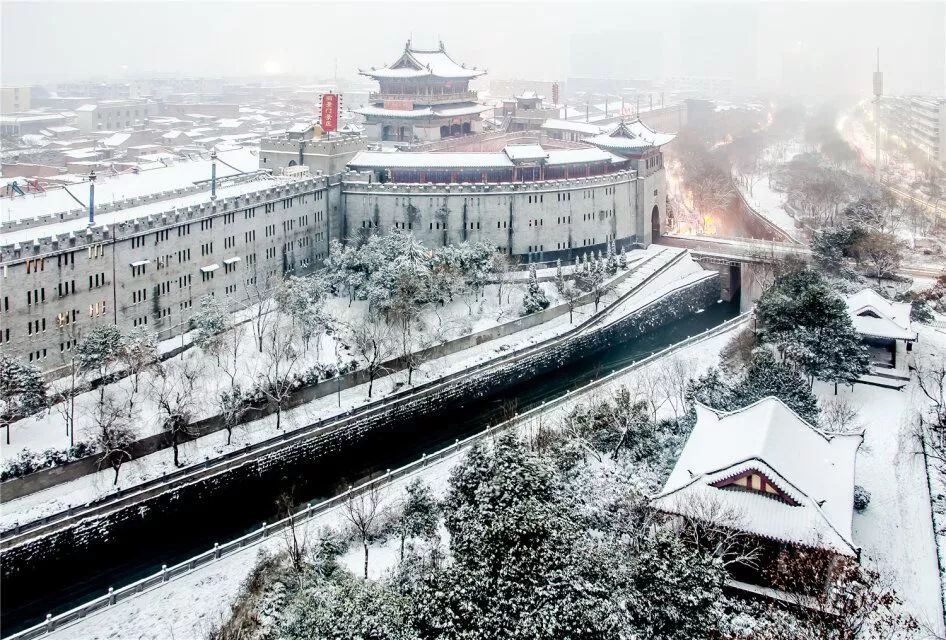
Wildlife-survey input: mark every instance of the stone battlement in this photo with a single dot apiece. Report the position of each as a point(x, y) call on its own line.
point(357, 182)
point(146, 223)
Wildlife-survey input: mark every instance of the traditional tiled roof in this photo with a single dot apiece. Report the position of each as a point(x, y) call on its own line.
point(630, 136)
point(451, 111)
point(419, 63)
point(567, 125)
point(877, 317)
point(813, 469)
point(525, 152)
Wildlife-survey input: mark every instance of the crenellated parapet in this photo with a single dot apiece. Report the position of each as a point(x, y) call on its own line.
point(360, 183)
point(173, 216)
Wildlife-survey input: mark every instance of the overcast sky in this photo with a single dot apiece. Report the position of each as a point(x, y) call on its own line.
point(805, 47)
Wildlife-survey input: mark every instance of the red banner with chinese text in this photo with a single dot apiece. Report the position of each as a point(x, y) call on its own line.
point(329, 112)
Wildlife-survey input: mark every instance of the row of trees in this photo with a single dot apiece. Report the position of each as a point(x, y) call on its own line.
point(536, 538)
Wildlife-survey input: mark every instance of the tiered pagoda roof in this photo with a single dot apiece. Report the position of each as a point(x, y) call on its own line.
point(420, 63)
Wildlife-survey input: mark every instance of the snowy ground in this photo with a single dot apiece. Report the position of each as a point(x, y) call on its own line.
point(189, 606)
point(459, 317)
point(768, 202)
point(93, 486)
point(895, 531)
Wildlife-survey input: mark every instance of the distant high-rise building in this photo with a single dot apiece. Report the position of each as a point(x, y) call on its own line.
point(14, 99)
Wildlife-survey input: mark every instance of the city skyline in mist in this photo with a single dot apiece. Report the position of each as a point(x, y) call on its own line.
point(805, 48)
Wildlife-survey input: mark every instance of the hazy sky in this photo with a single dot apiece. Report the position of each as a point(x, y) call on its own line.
point(800, 47)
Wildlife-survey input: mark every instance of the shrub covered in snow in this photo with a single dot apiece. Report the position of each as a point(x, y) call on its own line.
point(535, 299)
point(861, 498)
point(27, 461)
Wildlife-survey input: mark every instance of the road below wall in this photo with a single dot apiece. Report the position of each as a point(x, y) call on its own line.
point(33, 596)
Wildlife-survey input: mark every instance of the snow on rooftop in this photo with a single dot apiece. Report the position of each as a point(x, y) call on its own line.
point(873, 315)
point(518, 152)
point(399, 113)
point(116, 140)
point(432, 160)
point(628, 136)
point(573, 156)
point(464, 110)
point(417, 63)
point(565, 125)
point(812, 469)
point(109, 188)
point(111, 218)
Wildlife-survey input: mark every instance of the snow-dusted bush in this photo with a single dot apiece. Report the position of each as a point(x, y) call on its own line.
point(535, 299)
point(861, 498)
point(28, 461)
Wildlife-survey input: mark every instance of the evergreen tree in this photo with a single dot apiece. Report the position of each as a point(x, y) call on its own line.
point(521, 568)
point(535, 299)
point(209, 322)
point(419, 514)
point(831, 245)
point(612, 264)
point(766, 377)
point(809, 324)
point(99, 351)
point(22, 390)
point(622, 260)
point(675, 590)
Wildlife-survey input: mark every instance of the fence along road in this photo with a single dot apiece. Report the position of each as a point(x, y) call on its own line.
point(660, 261)
point(310, 511)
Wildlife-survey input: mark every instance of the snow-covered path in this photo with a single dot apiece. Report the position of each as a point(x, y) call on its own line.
point(895, 532)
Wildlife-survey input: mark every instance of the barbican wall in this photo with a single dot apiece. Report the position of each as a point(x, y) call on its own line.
point(536, 221)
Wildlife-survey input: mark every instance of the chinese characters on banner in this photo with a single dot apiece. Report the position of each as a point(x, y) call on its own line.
point(329, 112)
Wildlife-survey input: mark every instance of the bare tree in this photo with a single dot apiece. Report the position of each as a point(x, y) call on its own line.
point(296, 545)
point(712, 192)
point(112, 432)
point(230, 402)
point(373, 345)
point(930, 370)
point(261, 303)
point(882, 252)
point(737, 352)
point(838, 415)
point(367, 516)
point(282, 358)
point(175, 394)
point(838, 599)
point(572, 295)
point(502, 268)
point(627, 415)
point(716, 527)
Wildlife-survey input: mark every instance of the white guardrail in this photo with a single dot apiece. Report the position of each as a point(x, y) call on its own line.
point(310, 511)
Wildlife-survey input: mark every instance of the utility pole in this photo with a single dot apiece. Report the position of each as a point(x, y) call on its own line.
point(92, 198)
point(878, 92)
point(213, 174)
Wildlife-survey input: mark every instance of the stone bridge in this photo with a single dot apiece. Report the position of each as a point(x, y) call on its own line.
point(744, 264)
